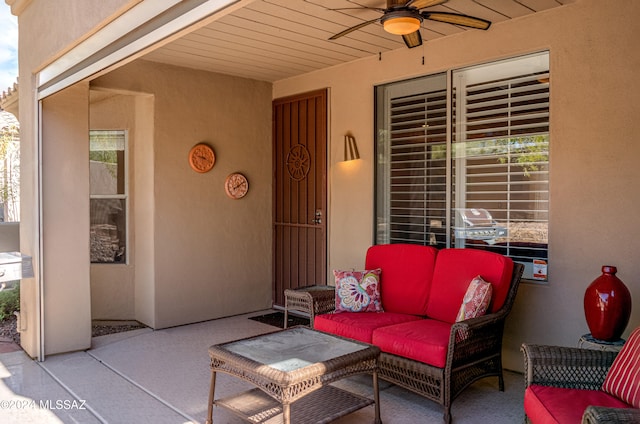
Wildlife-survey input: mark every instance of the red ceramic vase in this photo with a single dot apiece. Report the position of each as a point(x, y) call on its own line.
point(607, 305)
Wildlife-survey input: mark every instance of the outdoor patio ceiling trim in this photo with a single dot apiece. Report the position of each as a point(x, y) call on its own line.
point(143, 26)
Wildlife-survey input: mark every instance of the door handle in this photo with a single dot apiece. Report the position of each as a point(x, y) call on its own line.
point(317, 217)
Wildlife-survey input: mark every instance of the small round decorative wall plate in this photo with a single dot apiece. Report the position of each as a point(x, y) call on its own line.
point(201, 158)
point(236, 185)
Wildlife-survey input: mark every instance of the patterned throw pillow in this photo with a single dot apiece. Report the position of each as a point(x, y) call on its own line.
point(623, 378)
point(358, 291)
point(476, 300)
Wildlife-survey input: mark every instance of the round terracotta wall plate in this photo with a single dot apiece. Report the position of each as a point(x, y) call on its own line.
point(236, 185)
point(202, 158)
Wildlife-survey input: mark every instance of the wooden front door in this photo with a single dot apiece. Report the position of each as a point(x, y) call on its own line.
point(300, 186)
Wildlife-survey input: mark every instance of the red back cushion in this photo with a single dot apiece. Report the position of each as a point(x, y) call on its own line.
point(623, 378)
point(455, 268)
point(407, 270)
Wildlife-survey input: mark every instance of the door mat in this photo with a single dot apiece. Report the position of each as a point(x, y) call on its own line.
point(102, 328)
point(277, 319)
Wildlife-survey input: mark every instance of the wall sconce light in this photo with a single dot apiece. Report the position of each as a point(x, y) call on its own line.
point(350, 148)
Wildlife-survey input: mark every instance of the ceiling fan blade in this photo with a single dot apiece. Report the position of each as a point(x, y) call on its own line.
point(457, 19)
point(413, 40)
point(379, 9)
point(421, 4)
point(353, 28)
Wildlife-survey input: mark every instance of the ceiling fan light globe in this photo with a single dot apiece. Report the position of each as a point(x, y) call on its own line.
point(401, 25)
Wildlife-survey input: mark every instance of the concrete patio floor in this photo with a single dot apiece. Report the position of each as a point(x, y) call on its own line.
point(163, 377)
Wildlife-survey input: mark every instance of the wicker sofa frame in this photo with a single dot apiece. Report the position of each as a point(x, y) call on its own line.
point(574, 368)
point(474, 352)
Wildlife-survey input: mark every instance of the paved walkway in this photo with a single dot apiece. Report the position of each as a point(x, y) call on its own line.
point(8, 345)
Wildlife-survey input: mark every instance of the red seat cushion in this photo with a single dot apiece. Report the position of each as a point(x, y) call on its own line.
point(623, 378)
point(407, 271)
point(358, 325)
point(424, 341)
point(551, 405)
point(454, 270)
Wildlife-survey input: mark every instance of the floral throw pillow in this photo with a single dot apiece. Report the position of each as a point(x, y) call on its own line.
point(476, 301)
point(358, 291)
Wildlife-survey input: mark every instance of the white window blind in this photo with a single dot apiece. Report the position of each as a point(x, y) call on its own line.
point(414, 163)
point(418, 167)
point(501, 154)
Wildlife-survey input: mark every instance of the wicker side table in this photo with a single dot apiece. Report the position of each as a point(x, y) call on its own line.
point(311, 300)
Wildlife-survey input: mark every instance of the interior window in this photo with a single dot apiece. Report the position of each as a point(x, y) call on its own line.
point(108, 200)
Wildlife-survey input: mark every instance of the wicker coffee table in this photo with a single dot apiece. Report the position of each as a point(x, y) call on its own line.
point(291, 370)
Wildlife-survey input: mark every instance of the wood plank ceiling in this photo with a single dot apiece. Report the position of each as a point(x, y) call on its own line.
point(270, 40)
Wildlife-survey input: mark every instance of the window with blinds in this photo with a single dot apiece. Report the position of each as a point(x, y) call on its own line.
point(466, 163)
point(412, 162)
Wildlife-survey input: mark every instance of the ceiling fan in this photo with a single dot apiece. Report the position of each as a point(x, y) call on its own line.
point(403, 17)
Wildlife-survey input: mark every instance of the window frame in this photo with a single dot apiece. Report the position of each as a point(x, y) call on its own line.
point(383, 222)
point(125, 196)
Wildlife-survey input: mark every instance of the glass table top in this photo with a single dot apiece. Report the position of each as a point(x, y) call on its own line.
point(292, 349)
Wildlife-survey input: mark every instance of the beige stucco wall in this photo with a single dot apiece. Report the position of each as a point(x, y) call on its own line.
point(212, 254)
point(65, 23)
point(200, 240)
point(594, 151)
point(34, 52)
point(65, 220)
point(143, 193)
point(112, 285)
